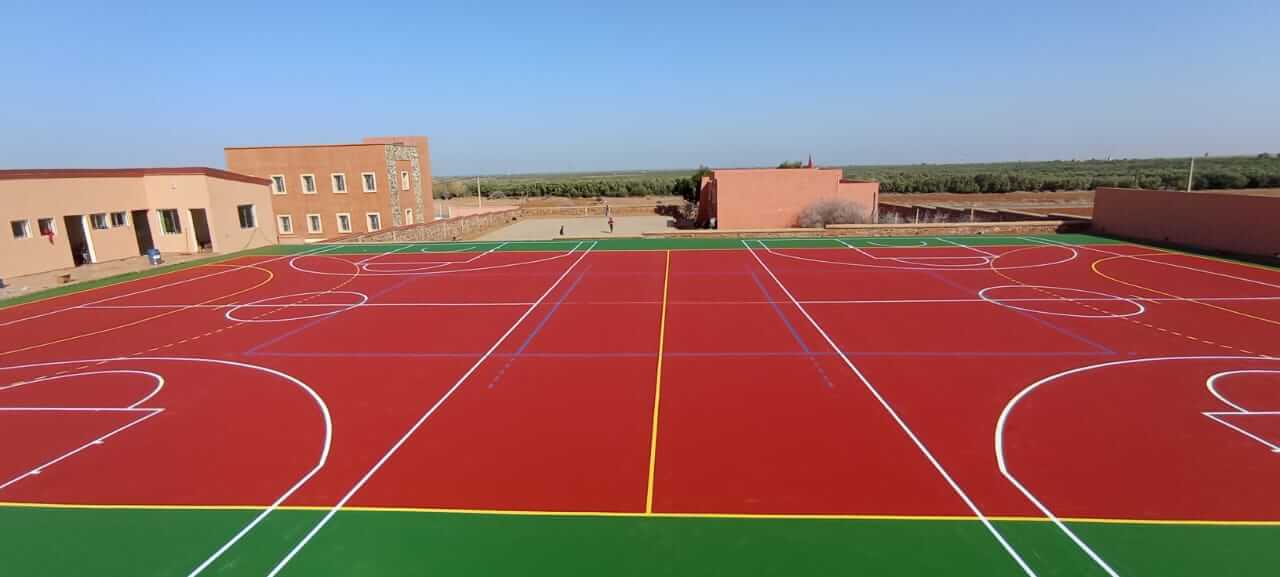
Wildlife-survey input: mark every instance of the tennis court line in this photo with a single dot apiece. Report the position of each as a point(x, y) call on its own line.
point(898, 419)
point(657, 387)
point(421, 420)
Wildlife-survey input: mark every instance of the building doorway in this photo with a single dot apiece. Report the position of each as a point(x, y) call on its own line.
point(408, 216)
point(78, 238)
point(200, 225)
point(142, 230)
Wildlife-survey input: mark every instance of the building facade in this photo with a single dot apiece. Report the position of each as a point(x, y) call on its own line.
point(325, 191)
point(747, 198)
point(67, 217)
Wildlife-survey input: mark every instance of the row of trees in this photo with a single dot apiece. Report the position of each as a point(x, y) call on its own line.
point(1260, 171)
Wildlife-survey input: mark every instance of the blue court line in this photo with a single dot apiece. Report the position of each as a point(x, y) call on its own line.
point(312, 323)
point(794, 333)
point(1037, 318)
point(537, 329)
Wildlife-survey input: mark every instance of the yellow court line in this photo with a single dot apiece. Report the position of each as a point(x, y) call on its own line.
point(657, 387)
point(270, 276)
point(1095, 264)
point(637, 514)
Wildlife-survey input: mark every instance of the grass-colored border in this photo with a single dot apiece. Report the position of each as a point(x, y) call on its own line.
point(76, 287)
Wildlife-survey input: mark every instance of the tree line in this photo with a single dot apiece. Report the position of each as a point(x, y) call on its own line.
point(1220, 172)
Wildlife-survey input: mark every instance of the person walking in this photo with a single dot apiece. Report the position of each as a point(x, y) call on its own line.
point(562, 230)
point(611, 225)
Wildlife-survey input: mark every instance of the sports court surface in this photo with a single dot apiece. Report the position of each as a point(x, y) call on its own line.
point(1058, 405)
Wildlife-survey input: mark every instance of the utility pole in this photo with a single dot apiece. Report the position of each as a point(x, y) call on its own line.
point(480, 199)
point(1190, 172)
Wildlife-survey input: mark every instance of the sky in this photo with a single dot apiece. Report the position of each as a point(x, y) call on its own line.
point(515, 87)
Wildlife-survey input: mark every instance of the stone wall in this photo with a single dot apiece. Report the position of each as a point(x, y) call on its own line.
point(927, 213)
point(877, 230)
point(460, 228)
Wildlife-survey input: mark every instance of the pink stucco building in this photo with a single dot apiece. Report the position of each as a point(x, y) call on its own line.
point(743, 198)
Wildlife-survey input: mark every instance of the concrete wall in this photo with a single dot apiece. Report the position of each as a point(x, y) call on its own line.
point(887, 230)
point(1234, 223)
point(462, 227)
point(773, 198)
point(32, 196)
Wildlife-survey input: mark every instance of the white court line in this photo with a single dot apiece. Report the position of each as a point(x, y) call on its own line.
point(320, 305)
point(1211, 384)
point(1138, 308)
point(382, 254)
point(987, 266)
point(423, 419)
point(1002, 422)
point(1137, 257)
point(158, 379)
point(293, 265)
point(902, 424)
point(433, 264)
point(315, 397)
point(913, 260)
point(974, 249)
point(98, 441)
point(175, 283)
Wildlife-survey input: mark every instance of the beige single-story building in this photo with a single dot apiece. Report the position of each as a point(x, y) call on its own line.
point(67, 217)
point(747, 198)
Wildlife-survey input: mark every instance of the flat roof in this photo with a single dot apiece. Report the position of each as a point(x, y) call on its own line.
point(306, 145)
point(38, 173)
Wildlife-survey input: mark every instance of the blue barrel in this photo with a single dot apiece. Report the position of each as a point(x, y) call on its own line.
point(153, 256)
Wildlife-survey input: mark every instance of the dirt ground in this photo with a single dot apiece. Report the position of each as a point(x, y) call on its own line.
point(562, 201)
point(1008, 199)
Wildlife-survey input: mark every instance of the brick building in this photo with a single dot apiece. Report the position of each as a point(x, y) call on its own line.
point(325, 191)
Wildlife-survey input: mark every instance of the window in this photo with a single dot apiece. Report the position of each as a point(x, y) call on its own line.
point(344, 222)
point(370, 181)
point(46, 226)
point(285, 223)
point(21, 228)
point(169, 221)
point(119, 219)
point(99, 221)
point(277, 184)
point(375, 221)
point(248, 216)
point(404, 180)
point(339, 183)
point(313, 223)
point(308, 184)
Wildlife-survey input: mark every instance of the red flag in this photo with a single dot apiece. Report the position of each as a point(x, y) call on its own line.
point(810, 161)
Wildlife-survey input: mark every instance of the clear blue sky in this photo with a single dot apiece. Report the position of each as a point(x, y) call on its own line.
point(556, 86)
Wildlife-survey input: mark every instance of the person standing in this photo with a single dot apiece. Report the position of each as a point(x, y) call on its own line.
point(611, 225)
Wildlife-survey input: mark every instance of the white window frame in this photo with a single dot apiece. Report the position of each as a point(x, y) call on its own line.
point(364, 183)
point(405, 183)
point(95, 224)
point(283, 182)
point(318, 220)
point(124, 218)
point(333, 182)
point(302, 180)
point(368, 223)
point(26, 228)
point(177, 220)
point(338, 219)
point(280, 220)
point(253, 215)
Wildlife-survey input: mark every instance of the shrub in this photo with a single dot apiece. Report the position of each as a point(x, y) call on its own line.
point(831, 211)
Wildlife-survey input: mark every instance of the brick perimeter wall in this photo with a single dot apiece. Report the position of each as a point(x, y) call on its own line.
point(877, 230)
point(459, 228)
point(1233, 223)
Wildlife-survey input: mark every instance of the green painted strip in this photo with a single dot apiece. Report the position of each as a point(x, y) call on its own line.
point(74, 542)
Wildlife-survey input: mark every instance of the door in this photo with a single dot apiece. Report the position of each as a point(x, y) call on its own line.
point(78, 238)
point(408, 216)
point(200, 226)
point(142, 230)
